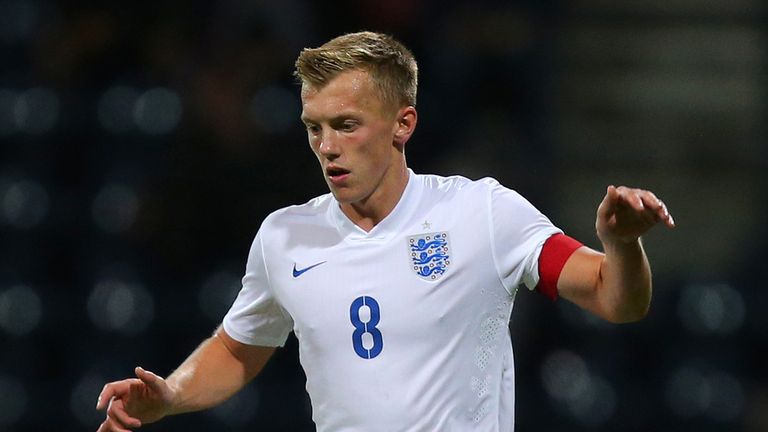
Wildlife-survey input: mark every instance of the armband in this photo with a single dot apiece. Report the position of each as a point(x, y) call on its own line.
point(554, 254)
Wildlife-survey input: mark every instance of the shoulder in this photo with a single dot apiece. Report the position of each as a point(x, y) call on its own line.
point(311, 212)
point(454, 183)
point(464, 187)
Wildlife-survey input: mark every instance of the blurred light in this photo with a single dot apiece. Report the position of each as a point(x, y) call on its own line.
point(17, 20)
point(13, 400)
point(115, 305)
point(82, 400)
point(240, 408)
point(36, 110)
point(589, 398)
point(714, 308)
point(597, 405)
point(217, 294)
point(157, 111)
point(115, 208)
point(7, 106)
point(115, 109)
point(274, 109)
point(23, 203)
point(20, 310)
point(691, 392)
point(728, 398)
point(565, 375)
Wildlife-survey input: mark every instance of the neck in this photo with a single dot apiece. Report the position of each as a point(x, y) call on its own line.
point(368, 212)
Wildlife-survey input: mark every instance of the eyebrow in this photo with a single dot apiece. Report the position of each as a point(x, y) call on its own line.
point(336, 118)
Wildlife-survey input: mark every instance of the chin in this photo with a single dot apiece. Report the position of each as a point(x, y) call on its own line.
point(345, 196)
point(340, 195)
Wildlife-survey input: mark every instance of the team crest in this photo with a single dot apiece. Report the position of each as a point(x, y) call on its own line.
point(430, 257)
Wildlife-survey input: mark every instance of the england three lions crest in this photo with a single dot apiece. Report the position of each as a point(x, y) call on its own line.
point(430, 257)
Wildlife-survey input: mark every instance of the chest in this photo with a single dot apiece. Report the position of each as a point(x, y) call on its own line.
point(408, 288)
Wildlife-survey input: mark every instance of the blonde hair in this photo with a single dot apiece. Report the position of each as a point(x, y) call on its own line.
point(392, 67)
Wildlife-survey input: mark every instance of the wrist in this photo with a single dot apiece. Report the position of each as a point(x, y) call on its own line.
point(173, 399)
point(619, 245)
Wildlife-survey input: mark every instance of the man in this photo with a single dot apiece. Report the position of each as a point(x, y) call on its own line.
point(398, 286)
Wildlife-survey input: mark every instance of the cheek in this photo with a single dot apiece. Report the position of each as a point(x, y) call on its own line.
point(313, 144)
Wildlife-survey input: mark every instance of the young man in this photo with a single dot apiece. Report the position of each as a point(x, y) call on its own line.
point(398, 286)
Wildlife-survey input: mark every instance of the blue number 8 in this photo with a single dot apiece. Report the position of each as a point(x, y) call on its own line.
point(369, 327)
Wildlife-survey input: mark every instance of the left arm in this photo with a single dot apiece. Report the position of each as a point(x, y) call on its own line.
point(616, 285)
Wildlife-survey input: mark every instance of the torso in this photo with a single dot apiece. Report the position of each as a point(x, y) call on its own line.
point(387, 343)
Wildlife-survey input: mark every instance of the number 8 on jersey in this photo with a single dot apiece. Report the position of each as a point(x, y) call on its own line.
point(370, 346)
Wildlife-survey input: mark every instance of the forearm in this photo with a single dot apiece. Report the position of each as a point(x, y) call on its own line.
point(625, 281)
point(208, 377)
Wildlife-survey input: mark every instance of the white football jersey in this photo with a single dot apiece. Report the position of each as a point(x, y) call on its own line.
point(405, 327)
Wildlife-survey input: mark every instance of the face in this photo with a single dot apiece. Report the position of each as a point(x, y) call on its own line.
point(357, 139)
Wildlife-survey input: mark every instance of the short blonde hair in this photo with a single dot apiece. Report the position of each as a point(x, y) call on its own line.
point(391, 65)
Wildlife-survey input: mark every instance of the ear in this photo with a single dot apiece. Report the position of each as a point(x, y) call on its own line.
point(406, 124)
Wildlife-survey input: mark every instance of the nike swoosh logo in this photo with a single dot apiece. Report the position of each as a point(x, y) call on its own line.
point(297, 273)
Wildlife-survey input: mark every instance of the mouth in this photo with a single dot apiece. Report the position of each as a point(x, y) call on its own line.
point(336, 174)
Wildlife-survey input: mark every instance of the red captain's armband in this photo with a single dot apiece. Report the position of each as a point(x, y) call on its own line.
point(554, 254)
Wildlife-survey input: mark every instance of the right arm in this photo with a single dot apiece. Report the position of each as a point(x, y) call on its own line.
point(215, 371)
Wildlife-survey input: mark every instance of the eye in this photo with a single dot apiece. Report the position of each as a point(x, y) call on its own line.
point(313, 129)
point(349, 125)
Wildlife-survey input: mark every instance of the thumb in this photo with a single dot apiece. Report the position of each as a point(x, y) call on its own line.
point(152, 381)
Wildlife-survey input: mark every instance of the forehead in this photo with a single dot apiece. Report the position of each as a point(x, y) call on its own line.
point(350, 90)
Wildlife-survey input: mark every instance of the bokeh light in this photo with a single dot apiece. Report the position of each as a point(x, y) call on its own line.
point(36, 111)
point(115, 208)
point(217, 294)
point(82, 399)
point(20, 310)
point(157, 111)
point(115, 305)
point(23, 203)
point(588, 397)
point(711, 309)
point(693, 392)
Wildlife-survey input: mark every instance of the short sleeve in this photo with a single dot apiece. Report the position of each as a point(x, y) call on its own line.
point(256, 317)
point(518, 232)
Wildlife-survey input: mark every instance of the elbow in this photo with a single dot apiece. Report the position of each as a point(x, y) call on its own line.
point(629, 317)
point(628, 314)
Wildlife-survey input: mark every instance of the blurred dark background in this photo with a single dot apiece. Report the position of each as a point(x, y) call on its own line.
point(142, 144)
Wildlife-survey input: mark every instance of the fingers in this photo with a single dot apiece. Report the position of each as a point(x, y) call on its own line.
point(116, 412)
point(109, 426)
point(111, 390)
point(608, 205)
point(645, 202)
point(657, 207)
point(626, 213)
point(632, 197)
point(104, 397)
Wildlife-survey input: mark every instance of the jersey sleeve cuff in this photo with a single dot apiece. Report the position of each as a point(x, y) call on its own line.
point(263, 340)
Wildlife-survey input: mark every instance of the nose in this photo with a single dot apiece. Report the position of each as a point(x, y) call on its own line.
point(328, 145)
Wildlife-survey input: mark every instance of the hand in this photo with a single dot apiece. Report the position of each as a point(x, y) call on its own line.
point(132, 402)
point(626, 213)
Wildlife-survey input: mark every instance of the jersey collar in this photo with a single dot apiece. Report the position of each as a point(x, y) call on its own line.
point(390, 225)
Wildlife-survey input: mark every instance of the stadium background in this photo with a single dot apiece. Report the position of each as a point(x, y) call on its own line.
point(142, 143)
